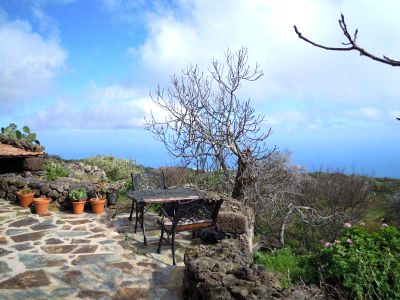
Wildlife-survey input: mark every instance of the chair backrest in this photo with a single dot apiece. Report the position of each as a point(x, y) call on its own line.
point(148, 180)
point(192, 211)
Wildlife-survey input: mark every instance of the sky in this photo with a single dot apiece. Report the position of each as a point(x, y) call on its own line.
point(79, 73)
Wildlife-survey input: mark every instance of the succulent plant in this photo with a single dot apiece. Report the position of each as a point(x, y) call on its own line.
point(77, 194)
point(27, 136)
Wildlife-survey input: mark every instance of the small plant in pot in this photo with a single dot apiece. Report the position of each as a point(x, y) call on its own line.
point(25, 196)
point(78, 197)
point(100, 200)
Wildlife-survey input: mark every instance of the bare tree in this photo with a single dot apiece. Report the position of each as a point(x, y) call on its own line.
point(284, 194)
point(350, 45)
point(275, 192)
point(206, 123)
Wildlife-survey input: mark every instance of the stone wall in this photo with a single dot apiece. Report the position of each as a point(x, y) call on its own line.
point(236, 220)
point(58, 190)
point(224, 271)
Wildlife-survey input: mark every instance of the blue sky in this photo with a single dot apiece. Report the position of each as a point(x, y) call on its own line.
point(80, 72)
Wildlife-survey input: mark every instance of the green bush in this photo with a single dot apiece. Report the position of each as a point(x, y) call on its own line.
point(292, 267)
point(213, 181)
point(123, 193)
point(365, 265)
point(115, 168)
point(55, 170)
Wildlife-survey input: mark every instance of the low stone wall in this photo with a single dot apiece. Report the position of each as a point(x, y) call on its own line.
point(224, 271)
point(236, 220)
point(80, 175)
point(56, 190)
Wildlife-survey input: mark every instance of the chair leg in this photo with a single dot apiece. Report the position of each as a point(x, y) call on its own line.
point(159, 242)
point(133, 205)
point(140, 218)
point(137, 217)
point(173, 248)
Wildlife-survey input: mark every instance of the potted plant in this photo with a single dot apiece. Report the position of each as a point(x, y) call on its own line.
point(41, 205)
point(25, 196)
point(78, 197)
point(100, 200)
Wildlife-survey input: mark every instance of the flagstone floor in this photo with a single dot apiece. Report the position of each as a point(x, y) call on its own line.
point(67, 256)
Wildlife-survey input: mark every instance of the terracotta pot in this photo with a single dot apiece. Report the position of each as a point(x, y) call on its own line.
point(41, 205)
point(25, 199)
point(98, 205)
point(78, 206)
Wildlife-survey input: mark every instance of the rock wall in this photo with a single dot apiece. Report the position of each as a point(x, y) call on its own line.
point(81, 175)
point(235, 220)
point(224, 271)
point(56, 190)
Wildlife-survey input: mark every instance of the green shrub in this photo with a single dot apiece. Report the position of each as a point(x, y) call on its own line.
point(55, 170)
point(292, 267)
point(176, 176)
point(365, 265)
point(123, 193)
point(213, 181)
point(115, 168)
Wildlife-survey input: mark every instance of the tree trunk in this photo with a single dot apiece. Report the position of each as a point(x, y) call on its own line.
point(238, 185)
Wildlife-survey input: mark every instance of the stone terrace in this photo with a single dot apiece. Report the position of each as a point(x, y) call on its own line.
point(67, 256)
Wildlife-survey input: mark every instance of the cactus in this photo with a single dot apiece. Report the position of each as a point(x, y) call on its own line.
point(27, 136)
point(26, 130)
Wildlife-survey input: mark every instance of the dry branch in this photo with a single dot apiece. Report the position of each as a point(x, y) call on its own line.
point(350, 45)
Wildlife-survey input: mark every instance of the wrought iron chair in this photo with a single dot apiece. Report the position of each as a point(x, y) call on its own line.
point(145, 181)
point(189, 215)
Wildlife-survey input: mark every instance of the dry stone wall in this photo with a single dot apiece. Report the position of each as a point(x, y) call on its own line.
point(56, 190)
point(236, 220)
point(80, 176)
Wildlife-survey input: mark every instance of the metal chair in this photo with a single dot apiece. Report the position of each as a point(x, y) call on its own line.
point(188, 215)
point(145, 181)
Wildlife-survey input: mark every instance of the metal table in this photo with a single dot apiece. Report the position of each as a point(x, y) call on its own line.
point(142, 198)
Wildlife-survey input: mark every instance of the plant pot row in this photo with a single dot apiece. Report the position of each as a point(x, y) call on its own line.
point(97, 205)
point(41, 204)
point(26, 197)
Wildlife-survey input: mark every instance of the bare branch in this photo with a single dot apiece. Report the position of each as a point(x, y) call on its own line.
point(351, 41)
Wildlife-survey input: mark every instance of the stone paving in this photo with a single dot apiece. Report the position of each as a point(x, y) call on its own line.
point(67, 256)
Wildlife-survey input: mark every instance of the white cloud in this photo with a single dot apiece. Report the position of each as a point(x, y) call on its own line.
point(28, 63)
point(111, 107)
point(195, 31)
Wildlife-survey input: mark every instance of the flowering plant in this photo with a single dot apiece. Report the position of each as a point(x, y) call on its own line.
point(366, 265)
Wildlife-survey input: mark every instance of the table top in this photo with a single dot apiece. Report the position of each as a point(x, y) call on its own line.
point(165, 195)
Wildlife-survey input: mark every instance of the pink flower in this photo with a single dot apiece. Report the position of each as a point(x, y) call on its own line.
point(349, 241)
point(327, 244)
point(384, 225)
point(347, 225)
point(337, 241)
